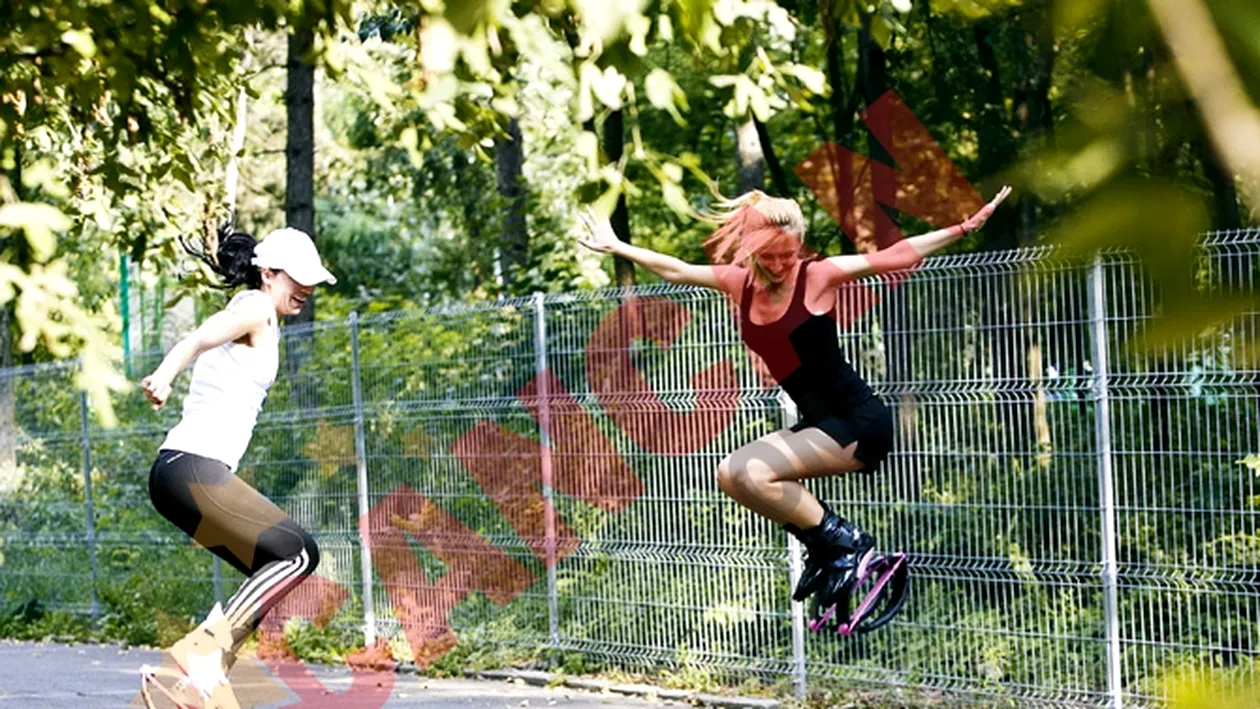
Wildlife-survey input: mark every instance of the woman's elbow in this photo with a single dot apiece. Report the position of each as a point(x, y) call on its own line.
point(897, 257)
point(673, 275)
point(192, 345)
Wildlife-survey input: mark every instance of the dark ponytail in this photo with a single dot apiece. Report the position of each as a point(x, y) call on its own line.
point(233, 253)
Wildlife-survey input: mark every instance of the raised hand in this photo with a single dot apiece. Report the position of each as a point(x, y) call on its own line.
point(978, 219)
point(600, 235)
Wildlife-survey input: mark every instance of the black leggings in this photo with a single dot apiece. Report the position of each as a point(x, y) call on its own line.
point(226, 515)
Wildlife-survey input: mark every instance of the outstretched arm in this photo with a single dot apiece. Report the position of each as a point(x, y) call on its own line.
point(231, 323)
point(910, 251)
point(601, 239)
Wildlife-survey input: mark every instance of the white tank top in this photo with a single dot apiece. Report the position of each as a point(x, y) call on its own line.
point(227, 390)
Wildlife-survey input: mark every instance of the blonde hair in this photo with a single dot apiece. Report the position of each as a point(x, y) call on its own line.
point(779, 211)
point(748, 223)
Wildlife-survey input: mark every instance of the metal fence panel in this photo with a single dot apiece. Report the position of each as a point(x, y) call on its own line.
point(540, 473)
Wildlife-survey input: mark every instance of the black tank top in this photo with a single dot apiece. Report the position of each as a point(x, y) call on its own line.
point(803, 354)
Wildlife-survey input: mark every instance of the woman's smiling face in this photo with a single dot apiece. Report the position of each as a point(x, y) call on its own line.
point(287, 294)
point(778, 257)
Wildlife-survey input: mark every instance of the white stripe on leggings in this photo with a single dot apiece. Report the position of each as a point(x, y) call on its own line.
point(263, 578)
point(251, 594)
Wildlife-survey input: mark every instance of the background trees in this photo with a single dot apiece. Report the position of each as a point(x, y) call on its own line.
point(445, 147)
point(449, 144)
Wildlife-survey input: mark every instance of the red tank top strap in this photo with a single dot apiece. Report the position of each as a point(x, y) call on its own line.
point(794, 311)
point(797, 305)
point(745, 300)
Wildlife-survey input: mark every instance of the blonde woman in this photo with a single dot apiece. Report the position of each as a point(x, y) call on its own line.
point(786, 304)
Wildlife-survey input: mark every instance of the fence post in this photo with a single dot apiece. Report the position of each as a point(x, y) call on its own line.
point(1106, 484)
point(86, 443)
point(361, 482)
point(796, 566)
point(544, 438)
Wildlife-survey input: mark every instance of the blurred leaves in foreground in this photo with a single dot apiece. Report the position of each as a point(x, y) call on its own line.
point(1233, 688)
point(1149, 102)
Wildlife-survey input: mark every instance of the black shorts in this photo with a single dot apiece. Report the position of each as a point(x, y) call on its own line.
point(869, 423)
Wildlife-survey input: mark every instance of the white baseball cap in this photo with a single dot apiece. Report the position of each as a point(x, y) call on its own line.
point(292, 251)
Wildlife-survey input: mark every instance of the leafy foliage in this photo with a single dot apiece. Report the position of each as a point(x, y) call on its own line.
point(114, 124)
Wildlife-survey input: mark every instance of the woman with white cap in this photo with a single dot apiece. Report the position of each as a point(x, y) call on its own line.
point(193, 483)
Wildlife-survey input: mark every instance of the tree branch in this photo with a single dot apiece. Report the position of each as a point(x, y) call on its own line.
point(1233, 122)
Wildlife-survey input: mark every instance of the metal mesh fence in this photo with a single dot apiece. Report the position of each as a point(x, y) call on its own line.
point(540, 473)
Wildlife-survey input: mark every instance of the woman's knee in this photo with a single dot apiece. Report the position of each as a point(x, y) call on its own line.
point(288, 541)
point(311, 549)
point(752, 473)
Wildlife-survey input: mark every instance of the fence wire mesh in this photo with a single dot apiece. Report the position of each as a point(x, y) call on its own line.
point(540, 473)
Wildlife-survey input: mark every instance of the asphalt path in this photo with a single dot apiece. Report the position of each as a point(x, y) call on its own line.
point(56, 676)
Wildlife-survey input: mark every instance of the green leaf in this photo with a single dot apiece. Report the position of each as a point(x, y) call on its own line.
point(1252, 462)
point(80, 41)
point(1072, 15)
point(1189, 316)
point(588, 149)
point(695, 20)
point(48, 177)
point(744, 90)
point(38, 221)
point(676, 198)
point(659, 87)
point(664, 93)
point(665, 28)
point(465, 16)
point(607, 202)
point(759, 102)
point(607, 21)
point(638, 26)
point(811, 78)
point(1159, 221)
point(608, 85)
point(1160, 224)
point(847, 11)
point(881, 32)
point(589, 191)
point(439, 47)
point(409, 140)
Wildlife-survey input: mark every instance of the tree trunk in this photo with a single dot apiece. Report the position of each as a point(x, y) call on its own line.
point(1020, 355)
point(872, 82)
point(1225, 213)
point(470, 201)
point(841, 111)
point(750, 161)
point(1033, 117)
point(992, 117)
point(299, 195)
point(778, 175)
point(232, 178)
point(614, 148)
point(995, 144)
point(508, 157)
point(1036, 122)
point(9, 478)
